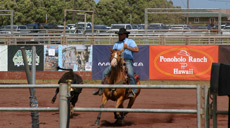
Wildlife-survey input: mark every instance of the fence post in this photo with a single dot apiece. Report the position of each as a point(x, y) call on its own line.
point(198, 106)
point(214, 111)
point(69, 105)
point(187, 40)
point(33, 98)
point(63, 110)
point(207, 115)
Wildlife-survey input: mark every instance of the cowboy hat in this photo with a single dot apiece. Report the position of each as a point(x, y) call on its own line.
point(122, 31)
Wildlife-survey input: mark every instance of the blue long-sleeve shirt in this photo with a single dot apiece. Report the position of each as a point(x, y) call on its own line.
point(128, 55)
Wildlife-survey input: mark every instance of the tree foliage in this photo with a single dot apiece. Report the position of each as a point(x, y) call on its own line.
point(29, 11)
point(131, 11)
point(106, 11)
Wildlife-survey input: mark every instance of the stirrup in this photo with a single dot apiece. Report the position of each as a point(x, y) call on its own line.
point(96, 92)
point(131, 94)
point(100, 91)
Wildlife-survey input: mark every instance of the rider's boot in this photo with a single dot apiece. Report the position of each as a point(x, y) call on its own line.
point(132, 93)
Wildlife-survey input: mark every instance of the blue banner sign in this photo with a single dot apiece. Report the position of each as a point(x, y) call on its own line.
point(101, 56)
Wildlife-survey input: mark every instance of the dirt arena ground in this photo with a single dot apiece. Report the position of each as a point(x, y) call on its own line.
point(152, 98)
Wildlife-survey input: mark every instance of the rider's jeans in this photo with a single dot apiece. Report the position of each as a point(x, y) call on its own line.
point(105, 72)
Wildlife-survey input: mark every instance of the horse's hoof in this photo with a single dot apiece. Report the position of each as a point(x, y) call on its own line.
point(97, 124)
point(119, 122)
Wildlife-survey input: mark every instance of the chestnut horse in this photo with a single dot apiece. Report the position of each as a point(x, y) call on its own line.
point(118, 75)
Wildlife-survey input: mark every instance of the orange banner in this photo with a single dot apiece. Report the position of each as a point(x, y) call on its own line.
point(181, 62)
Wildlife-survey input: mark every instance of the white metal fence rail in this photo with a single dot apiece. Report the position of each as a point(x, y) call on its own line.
point(172, 39)
point(197, 111)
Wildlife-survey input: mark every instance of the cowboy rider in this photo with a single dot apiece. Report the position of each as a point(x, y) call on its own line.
point(130, 47)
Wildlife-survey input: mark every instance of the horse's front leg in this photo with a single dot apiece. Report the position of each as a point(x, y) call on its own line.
point(116, 115)
point(130, 104)
point(104, 100)
point(97, 123)
point(119, 116)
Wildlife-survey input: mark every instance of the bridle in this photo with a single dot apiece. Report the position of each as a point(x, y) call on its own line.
point(114, 60)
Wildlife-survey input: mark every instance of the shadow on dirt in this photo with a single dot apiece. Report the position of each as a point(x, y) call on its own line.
point(105, 123)
point(75, 114)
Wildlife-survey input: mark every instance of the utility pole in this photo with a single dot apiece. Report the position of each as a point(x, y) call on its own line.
point(187, 3)
point(187, 11)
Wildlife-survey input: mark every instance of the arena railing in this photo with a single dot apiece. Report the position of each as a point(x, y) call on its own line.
point(199, 109)
point(103, 40)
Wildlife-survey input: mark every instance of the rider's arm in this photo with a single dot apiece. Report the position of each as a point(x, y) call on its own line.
point(133, 49)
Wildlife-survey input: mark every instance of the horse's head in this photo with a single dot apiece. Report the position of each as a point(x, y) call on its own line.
point(115, 58)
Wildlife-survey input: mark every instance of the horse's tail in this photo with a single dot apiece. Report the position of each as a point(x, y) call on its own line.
point(58, 68)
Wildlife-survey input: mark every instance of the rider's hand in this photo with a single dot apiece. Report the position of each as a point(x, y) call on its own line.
point(125, 46)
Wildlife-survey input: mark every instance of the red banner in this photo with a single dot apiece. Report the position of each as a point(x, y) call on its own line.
point(181, 62)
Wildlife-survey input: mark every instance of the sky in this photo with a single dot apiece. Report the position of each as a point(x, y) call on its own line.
point(218, 4)
point(96, 1)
